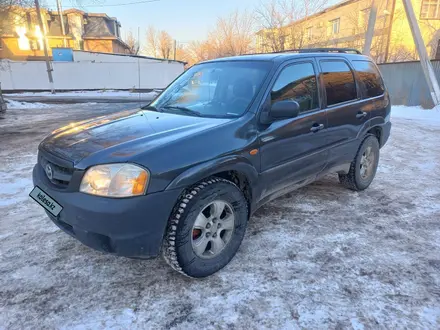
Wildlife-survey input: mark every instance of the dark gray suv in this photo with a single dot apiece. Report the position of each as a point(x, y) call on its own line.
point(184, 174)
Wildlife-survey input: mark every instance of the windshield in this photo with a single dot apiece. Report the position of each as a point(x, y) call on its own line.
point(218, 89)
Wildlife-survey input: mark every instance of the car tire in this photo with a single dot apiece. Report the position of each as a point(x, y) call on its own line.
point(187, 248)
point(364, 166)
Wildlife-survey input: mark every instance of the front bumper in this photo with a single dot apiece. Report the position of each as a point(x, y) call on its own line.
point(130, 227)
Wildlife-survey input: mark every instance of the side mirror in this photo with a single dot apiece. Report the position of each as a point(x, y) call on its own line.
point(284, 109)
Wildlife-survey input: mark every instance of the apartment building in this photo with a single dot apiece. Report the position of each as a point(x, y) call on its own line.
point(345, 24)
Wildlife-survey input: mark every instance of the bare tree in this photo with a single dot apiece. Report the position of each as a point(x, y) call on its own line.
point(12, 12)
point(232, 35)
point(152, 44)
point(159, 43)
point(275, 19)
point(132, 43)
point(165, 44)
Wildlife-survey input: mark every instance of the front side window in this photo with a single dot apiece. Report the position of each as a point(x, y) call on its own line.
point(339, 82)
point(370, 77)
point(430, 9)
point(217, 89)
point(297, 82)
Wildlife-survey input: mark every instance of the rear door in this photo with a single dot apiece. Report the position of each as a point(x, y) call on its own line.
point(346, 112)
point(294, 150)
point(375, 99)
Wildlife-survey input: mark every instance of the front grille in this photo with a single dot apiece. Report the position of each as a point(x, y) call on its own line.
point(61, 174)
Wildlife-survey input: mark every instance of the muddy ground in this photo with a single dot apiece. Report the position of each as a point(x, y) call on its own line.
point(321, 257)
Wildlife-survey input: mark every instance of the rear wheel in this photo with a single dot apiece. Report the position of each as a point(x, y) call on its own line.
point(364, 166)
point(206, 228)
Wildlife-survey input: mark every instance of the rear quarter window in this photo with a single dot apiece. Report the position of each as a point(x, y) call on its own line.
point(370, 78)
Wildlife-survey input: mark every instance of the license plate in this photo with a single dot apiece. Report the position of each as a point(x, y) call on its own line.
point(46, 201)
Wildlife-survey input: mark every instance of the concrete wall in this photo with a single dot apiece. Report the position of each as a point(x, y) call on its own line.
point(406, 83)
point(88, 75)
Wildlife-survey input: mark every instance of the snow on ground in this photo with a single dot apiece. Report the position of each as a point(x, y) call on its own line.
point(320, 257)
point(25, 105)
point(98, 93)
point(418, 113)
point(83, 96)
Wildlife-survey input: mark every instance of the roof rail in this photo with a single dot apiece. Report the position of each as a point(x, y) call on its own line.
point(328, 50)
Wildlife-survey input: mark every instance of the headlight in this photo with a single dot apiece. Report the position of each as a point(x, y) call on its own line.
point(115, 180)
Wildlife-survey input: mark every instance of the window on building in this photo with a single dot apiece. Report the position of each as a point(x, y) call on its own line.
point(309, 33)
point(335, 26)
point(370, 78)
point(430, 9)
point(297, 82)
point(339, 82)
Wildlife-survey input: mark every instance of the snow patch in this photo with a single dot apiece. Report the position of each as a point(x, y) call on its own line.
point(26, 105)
point(417, 113)
point(89, 94)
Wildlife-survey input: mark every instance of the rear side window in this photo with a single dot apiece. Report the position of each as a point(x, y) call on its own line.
point(370, 78)
point(297, 82)
point(339, 82)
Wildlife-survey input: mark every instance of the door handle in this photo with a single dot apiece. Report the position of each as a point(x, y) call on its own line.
point(361, 114)
point(316, 128)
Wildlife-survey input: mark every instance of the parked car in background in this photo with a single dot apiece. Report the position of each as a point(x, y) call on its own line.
point(184, 174)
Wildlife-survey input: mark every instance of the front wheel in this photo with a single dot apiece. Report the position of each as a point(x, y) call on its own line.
point(206, 228)
point(364, 166)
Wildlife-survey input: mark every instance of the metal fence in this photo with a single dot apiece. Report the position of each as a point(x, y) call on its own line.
point(406, 83)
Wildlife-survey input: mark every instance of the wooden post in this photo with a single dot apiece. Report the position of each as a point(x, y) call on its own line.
point(46, 54)
point(428, 71)
point(370, 29)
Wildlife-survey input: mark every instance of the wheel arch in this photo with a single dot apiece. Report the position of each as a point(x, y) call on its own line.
point(374, 127)
point(235, 169)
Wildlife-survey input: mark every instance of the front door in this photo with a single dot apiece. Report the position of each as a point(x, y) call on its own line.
point(294, 150)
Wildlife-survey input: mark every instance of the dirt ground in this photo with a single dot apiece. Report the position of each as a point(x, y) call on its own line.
point(321, 257)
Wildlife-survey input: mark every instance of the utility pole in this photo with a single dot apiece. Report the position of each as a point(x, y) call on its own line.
point(46, 54)
point(428, 71)
point(390, 30)
point(175, 49)
point(63, 29)
point(370, 29)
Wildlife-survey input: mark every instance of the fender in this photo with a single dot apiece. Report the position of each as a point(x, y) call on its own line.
point(204, 170)
point(370, 123)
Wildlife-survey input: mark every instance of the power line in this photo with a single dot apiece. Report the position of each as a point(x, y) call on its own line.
point(116, 4)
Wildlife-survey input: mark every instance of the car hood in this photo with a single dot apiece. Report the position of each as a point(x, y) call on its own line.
point(116, 136)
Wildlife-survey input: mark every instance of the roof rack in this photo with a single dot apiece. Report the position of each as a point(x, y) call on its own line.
point(328, 50)
point(312, 50)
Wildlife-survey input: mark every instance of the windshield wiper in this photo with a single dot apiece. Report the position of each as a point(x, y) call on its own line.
point(151, 108)
point(184, 110)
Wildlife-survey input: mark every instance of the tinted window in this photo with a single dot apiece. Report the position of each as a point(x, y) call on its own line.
point(339, 82)
point(370, 78)
point(297, 82)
